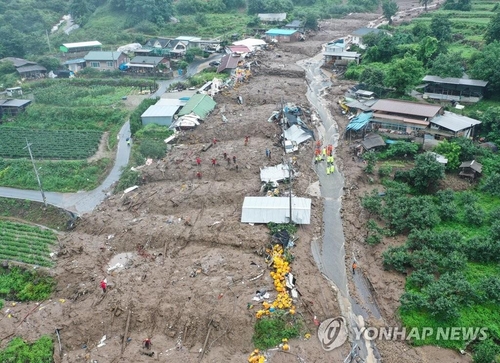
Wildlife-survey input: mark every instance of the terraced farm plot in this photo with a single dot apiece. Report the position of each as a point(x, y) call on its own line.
point(48, 144)
point(24, 243)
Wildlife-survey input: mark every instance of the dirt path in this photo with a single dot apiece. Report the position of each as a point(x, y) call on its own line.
point(103, 150)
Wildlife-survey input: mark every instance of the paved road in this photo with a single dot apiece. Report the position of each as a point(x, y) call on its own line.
point(329, 253)
point(81, 202)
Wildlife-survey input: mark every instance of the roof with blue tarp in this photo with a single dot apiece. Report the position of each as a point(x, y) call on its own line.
point(360, 121)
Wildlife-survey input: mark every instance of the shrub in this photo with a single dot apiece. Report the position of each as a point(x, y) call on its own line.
point(128, 179)
point(419, 279)
point(474, 214)
point(384, 171)
point(269, 331)
point(153, 149)
point(396, 258)
point(486, 351)
point(277, 227)
point(491, 184)
point(17, 350)
point(372, 202)
point(373, 239)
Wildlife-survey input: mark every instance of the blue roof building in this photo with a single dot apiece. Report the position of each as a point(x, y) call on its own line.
point(283, 35)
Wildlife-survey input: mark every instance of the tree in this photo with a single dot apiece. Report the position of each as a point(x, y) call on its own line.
point(420, 30)
point(427, 172)
point(461, 5)
point(452, 152)
point(383, 48)
point(486, 65)
point(50, 63)
point(373, 78)
point(441, 27)
point(493, 29)
point(389, 9)
point(447, 65)
point(403, 74)
point(425, 3)
point(428, 49)
point(311, 21)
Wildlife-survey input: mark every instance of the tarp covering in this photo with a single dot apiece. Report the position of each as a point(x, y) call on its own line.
point(360, 121)
point(276, 209)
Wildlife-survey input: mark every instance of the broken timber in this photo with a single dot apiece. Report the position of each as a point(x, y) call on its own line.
point(124, 339)
point(206, 147)
point(206, 340)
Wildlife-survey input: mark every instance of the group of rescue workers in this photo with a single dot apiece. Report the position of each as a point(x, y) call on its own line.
point(325, 154)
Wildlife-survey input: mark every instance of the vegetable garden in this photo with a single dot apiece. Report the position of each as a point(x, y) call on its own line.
point(49, 144)
point(24, 243)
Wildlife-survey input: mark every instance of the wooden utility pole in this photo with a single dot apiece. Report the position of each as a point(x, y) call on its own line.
point(28, 145)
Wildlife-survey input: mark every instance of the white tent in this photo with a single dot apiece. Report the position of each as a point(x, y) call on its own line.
point(276, 209)
point(274, 173)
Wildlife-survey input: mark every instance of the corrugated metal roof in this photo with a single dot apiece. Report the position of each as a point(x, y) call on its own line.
point(297, 134)
point(96, 55)
point(372, 140)
point(272, 16)
point(360, 121)
point(160, 111)
point(359, 105)
point(406, 108)
point(457, 81)
point(200, 105)
point(92, 43)
point(473, 165)
point(33, 68)
point(275, 209)
point(15, 103)
point(281, 32)
point(18, 62)
point(454, 122)
point(274, 173)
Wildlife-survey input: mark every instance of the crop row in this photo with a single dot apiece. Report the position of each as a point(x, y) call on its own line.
point(25, 243)
point(48, 144)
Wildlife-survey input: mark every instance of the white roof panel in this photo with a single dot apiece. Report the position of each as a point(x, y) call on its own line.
point(295, 133)
point(274, 173)
point(160, 111)
point(276, 209)
point(93, 43)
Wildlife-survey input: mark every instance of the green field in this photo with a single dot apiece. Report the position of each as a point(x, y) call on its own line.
point(48, 144)
point(60, 176)
point(25, 243)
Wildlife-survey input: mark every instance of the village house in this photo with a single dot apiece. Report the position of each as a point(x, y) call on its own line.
point(75, 65)
point(426, 120)
point(229, 63)
point(295, 25)
point(105, 61)
point(357, 35)
point(283, 35)
point(12, 107)
point(148, 64)
point(26, 69)
point(336, 55)
point(453, 89)
point(80, 47)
